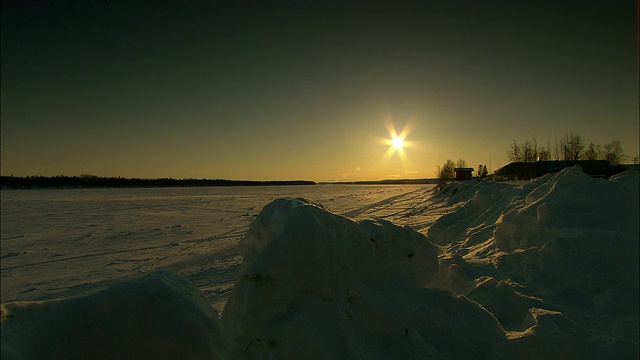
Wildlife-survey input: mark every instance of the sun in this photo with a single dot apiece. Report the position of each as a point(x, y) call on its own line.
point(397, 143)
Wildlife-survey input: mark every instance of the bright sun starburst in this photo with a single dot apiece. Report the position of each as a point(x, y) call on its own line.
point(397, 142)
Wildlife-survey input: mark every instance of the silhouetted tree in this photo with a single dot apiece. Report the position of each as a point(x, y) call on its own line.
point(92, 181)
point(573, 147)
point(526, 151)
point(482, 171)
point(570, 147)
point(557, 150)
point(447, 170)
point(514, 153)
point(592, 152)
point(461, 163)
point(445, 173)
point(613, 153)
point(529, 151)
point(544, 154)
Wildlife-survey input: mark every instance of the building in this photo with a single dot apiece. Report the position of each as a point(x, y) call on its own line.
point(463, 173)
point(526, 171)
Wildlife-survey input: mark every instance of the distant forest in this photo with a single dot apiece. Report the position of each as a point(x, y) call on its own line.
point(389, 182)
point(87, 181)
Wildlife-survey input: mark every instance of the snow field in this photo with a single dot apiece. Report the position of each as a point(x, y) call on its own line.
point(58, 243)
point(543, 269)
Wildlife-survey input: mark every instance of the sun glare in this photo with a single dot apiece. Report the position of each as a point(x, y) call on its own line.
point(397, 142)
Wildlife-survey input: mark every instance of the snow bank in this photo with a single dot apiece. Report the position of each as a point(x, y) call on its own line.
point(316, 285)
point(158, 316)
point(555, 260)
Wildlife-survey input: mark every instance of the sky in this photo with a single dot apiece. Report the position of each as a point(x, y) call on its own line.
point(313, 90)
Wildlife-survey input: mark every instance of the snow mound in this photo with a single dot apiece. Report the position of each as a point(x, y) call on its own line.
point(562, 247)
point(628, 177)
point(316, 285)
point(566, 202)
point(158, 316)
point(475, 220)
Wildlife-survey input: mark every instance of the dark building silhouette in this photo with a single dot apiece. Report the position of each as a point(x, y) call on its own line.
point(526, 171)
point(463, 173)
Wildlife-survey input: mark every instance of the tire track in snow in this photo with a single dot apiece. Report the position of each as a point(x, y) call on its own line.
point(418, 209)
point(366, 210)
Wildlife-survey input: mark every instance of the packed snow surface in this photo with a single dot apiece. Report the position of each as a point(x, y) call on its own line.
point(540, 269)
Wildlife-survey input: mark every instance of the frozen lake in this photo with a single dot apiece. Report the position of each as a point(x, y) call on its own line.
point(541, 269)
point(58, 243)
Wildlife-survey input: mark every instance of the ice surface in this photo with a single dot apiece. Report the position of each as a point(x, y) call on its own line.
point(541, 269)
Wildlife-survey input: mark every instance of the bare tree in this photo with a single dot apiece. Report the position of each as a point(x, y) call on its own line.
point(557, 149)
point(461, 163)
point(544, 154)
point(574, 147)
point(529, 151)
point(592, 152)
point(526, 151)
point(549, 149)
point(613, 153)
point(563, 144)
point(569, 147)
point(515, 153)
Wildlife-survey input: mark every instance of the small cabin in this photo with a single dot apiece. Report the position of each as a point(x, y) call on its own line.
point(463, 173)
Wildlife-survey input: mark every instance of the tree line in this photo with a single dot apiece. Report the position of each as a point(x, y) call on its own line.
point(84, 181)
point(570, 147)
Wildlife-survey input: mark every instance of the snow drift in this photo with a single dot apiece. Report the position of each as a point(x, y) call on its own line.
point(555, 260)
point(316, 285)
point(545, 269)
point(158, 316)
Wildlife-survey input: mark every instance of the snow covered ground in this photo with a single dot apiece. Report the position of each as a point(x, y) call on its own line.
point(61, 243)
point(542, 269)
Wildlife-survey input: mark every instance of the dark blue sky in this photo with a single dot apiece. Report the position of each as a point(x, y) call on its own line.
point(306, 89)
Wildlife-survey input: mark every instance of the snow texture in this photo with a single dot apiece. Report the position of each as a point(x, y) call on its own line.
point(158, 316)
point(317, 285)
point(542, 269)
